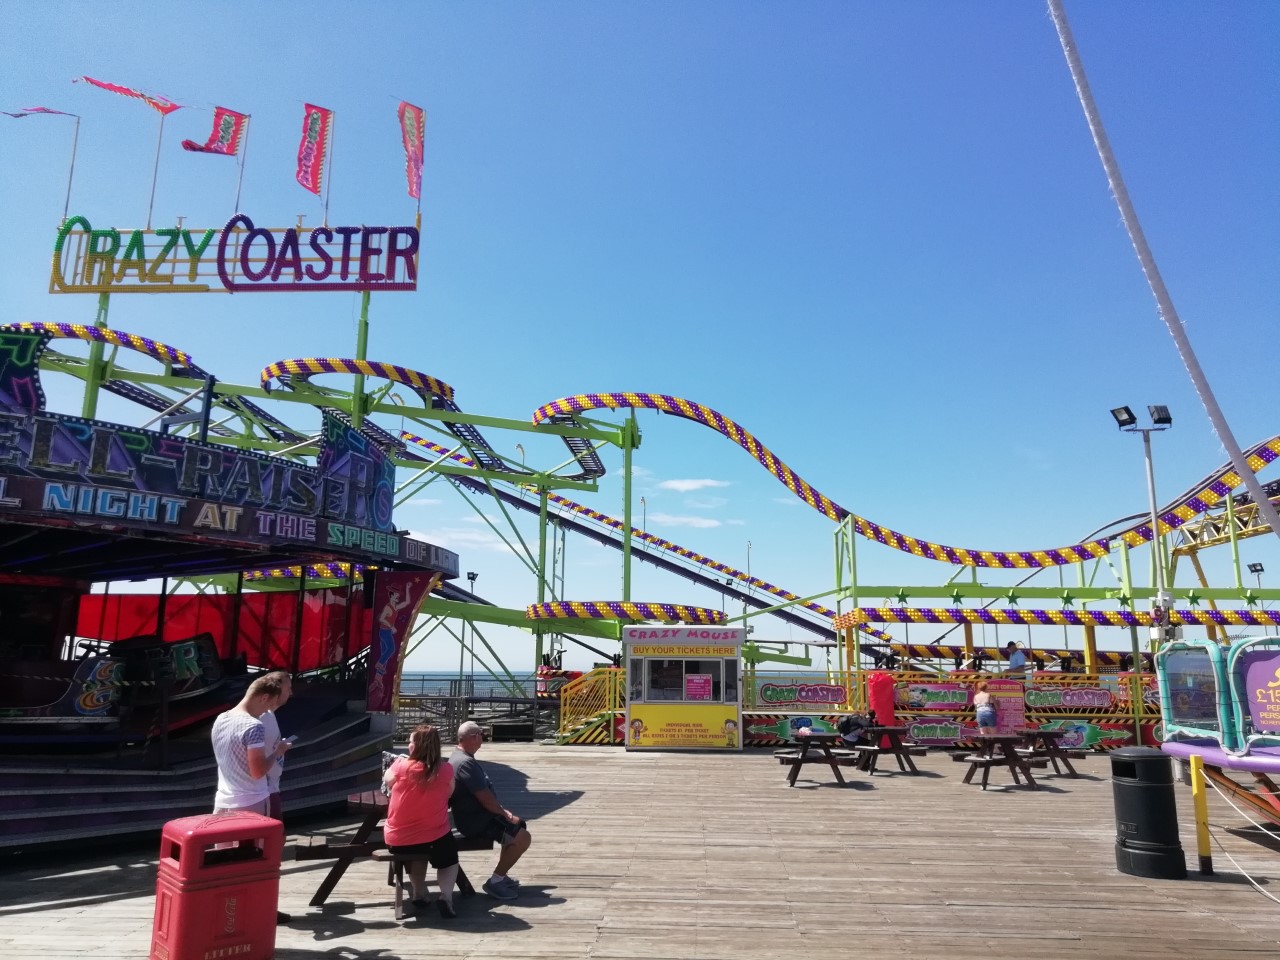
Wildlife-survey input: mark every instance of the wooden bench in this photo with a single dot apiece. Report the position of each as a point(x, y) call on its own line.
point(397, 863)
point(367, 843)
point(787, 761)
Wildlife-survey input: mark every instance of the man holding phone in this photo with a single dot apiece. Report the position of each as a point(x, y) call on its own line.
point(271, 728)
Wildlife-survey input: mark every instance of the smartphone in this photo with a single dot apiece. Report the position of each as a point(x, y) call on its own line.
point(291, 740)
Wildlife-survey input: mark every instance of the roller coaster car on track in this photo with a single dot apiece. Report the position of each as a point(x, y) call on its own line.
point(548, 680)
point(123, 680)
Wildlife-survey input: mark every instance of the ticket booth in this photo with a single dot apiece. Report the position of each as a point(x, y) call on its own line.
point(684, 687)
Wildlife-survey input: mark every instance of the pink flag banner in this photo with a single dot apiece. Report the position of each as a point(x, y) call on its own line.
point(228, 128)
point(316, 124)
point(28, 111)
point(163, 105)
point(413, 127)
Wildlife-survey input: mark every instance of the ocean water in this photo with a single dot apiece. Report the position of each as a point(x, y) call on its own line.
point(445, 684)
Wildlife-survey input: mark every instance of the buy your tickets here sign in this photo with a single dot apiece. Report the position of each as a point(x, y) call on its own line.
point(659, 641)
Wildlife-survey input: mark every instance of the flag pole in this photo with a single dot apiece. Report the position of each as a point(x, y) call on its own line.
point(422, 146)
point(244, 150)
point(154, 172)
point(329, 158)
point(75, 140)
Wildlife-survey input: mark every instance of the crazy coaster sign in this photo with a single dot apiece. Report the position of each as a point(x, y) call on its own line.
point(240, 258)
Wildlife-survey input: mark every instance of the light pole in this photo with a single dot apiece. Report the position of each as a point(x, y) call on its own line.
point(1257, 570)
point(644, 514)
point(1161, 419)
point(471, 580)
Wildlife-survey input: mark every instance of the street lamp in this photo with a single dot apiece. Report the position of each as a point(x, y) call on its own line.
point(1257, 570)
point(471, 581)
point(643, 514)
point(1161, 419)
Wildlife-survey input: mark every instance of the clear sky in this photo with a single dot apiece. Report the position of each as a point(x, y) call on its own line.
point(877, 235)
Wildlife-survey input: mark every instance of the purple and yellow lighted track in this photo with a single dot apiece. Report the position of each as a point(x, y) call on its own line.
point(317, 571)
point(624, 610)
point(1079, 618)
point(303, 368)
point(1214, 492)
point(116, 338)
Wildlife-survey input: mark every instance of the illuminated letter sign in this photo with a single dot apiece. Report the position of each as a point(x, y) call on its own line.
point(244, 258)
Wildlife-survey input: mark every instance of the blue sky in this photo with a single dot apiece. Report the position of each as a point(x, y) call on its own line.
point(877, 235)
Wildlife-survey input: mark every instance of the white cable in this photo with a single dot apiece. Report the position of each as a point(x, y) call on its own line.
point(1164, 301)
point(1243, 872)
point(1222, 793)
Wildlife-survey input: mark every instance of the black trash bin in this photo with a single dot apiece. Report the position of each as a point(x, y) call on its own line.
point(1147, 843)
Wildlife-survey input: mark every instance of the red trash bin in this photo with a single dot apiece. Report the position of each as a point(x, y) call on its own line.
point(880, 699)
point(217, 888)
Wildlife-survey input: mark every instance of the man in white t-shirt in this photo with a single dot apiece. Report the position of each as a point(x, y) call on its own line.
point(239, 745)
point(275, 807)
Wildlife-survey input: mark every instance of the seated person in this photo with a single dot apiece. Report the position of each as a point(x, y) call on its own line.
point(477, 813)
point(418, 817)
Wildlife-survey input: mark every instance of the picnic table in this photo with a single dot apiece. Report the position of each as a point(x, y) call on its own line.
point(799, 753)
point(1000, 750)
point(1048, 743)
point(902, 752)
point(367, 842)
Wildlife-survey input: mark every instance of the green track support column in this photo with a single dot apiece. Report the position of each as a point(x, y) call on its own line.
point(362, 349)
point(89, 406)
point(630, 442)
point(538, 646)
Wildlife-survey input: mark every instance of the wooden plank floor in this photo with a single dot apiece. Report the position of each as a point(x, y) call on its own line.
point(687, 856)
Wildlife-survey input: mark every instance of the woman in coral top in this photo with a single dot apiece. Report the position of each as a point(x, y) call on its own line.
point(418, 817)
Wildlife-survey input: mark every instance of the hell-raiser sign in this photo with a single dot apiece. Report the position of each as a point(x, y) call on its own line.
point(241, 257)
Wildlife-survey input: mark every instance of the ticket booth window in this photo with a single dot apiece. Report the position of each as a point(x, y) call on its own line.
point(706, 681)
point(665, 680)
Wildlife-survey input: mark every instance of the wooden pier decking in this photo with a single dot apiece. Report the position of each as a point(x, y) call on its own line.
point(693, 856)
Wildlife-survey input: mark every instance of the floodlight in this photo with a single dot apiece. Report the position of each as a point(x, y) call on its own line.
point(1160, 415)
point(1124, 417)
point(1255, 568)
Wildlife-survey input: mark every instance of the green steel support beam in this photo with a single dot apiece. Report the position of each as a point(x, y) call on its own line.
point(362, 349)
point(93, 377)
point(626, 506)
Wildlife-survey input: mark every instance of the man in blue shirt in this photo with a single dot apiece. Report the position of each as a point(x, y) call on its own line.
point(477, 813)
point(1017, 659)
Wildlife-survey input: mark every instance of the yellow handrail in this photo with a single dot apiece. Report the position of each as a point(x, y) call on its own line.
point(590, 695)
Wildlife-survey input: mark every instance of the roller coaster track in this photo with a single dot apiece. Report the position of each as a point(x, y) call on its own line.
point(438, 395)
point(1210, 494)
point(434, 394)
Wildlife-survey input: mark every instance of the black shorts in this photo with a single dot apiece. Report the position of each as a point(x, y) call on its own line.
point(439, 853)
point(501, 830)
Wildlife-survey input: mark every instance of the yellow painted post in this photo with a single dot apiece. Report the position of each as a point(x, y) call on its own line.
point(968, 640)
point(1199, 801)
point(1090, 649)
